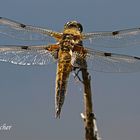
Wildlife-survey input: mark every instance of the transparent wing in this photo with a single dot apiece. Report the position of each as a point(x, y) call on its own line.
point(26, 55)
point(21, 31)
point(122, 38)
point(109, 62)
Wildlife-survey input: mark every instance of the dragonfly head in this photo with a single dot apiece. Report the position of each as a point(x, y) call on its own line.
point(73, 24)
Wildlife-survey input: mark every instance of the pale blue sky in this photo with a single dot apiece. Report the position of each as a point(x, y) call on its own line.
point(27, 93)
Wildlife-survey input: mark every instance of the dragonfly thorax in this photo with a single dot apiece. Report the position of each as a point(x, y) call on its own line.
point(70, 40)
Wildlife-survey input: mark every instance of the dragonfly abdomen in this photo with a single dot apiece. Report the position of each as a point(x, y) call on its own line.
point(63, 70)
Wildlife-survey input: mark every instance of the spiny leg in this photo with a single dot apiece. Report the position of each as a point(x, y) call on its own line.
point(76, 74)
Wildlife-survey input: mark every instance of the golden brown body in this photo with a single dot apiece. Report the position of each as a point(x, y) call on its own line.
point(66, 44)
point(63, 70)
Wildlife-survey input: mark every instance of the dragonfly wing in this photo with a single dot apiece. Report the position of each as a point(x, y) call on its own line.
point(108, 62)
point(27, 55)
point(21, 31)
point(116, 39)
point(111, 62)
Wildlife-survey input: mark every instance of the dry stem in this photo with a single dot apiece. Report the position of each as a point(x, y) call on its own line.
point(88, 114)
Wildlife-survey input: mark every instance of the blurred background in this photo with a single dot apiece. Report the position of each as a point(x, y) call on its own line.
point(27, 92)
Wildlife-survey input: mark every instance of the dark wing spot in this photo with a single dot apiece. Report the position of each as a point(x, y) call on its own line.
point(107, 54)
point(22, 25)
point(115, 32)
point(24, 47)
point(137, 58)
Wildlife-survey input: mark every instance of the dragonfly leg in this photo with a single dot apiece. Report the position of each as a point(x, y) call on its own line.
point(76, 74)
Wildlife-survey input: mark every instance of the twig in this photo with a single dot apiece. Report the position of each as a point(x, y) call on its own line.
point(88, 116)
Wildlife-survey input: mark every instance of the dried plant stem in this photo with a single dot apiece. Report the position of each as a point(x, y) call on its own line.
point(88, 114)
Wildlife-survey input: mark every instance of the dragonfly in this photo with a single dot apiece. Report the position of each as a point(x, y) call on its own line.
point(69, 51)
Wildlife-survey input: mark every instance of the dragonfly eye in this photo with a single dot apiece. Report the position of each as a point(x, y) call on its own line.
point(80, 27)
point(72, 24)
